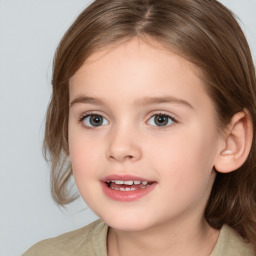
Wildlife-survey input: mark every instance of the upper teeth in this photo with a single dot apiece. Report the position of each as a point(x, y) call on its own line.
point(128, 182)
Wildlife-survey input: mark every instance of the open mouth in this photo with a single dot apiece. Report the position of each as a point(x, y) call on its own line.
point(126, 188)
point(127, 185)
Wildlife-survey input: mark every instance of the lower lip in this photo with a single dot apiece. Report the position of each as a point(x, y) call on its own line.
point(126, 196)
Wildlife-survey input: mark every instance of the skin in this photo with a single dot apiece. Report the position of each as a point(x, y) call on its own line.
point(178, 157)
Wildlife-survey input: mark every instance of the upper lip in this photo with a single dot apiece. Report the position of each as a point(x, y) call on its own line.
point(124, 178)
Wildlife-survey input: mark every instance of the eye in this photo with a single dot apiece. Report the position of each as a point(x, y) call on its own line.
point(161, 120)
point(94, 120)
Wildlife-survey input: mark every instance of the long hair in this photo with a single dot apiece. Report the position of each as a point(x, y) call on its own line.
point(202, 31)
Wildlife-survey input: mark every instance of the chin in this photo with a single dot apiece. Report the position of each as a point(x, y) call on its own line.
point(127, 223)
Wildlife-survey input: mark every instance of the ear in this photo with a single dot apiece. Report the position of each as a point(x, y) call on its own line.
point(236, 143)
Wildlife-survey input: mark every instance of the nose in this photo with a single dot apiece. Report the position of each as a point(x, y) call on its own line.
point(124, 146)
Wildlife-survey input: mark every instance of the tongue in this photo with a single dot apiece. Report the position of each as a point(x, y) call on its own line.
point(114, 185)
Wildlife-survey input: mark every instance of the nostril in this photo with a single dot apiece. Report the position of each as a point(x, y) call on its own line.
point(122, 153)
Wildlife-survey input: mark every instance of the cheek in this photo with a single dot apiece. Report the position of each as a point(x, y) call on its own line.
point(83, 158)
point(83, 152)
point(186, 162)
point(85, 166)
point(187, 154)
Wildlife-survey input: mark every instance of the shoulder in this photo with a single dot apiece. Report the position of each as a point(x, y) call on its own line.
point(78, 242)
point(230, 243)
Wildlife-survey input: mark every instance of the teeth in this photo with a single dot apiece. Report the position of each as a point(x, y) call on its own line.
point(118, 182)
point(128, 182)
point(125, 189)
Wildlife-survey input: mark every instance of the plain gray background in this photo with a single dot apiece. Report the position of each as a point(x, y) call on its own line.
point(29, 33)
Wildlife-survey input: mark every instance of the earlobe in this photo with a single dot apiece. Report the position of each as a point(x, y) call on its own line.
point(237, 143)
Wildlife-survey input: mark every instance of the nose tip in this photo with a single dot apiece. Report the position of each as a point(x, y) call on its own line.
point(121, 148)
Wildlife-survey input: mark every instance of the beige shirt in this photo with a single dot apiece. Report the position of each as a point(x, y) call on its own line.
point(91, 241)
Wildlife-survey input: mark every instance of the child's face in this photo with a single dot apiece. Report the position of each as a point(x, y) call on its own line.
point(140, 113)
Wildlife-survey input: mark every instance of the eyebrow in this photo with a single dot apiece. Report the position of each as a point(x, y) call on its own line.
point(165, 99)
point(143, 101)
point(88, 100)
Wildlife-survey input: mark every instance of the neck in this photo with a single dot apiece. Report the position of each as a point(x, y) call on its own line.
point(177, 240)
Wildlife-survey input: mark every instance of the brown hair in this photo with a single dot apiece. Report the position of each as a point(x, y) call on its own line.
point(203, 31)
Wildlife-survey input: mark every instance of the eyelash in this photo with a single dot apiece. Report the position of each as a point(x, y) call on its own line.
point(84, 116)
point(170, 117)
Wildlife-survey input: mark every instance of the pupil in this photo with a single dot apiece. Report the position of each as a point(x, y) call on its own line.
point(161, 120)
point(96, 120)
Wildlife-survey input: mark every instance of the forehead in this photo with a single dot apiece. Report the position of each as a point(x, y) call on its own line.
point(139, 44)
point(139, 51)
point(138, 67)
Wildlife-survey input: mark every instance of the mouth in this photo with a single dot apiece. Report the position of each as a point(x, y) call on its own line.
point(128, 185)
point(127, 188)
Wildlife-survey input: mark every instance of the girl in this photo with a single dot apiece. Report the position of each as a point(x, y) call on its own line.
point(153, 112)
